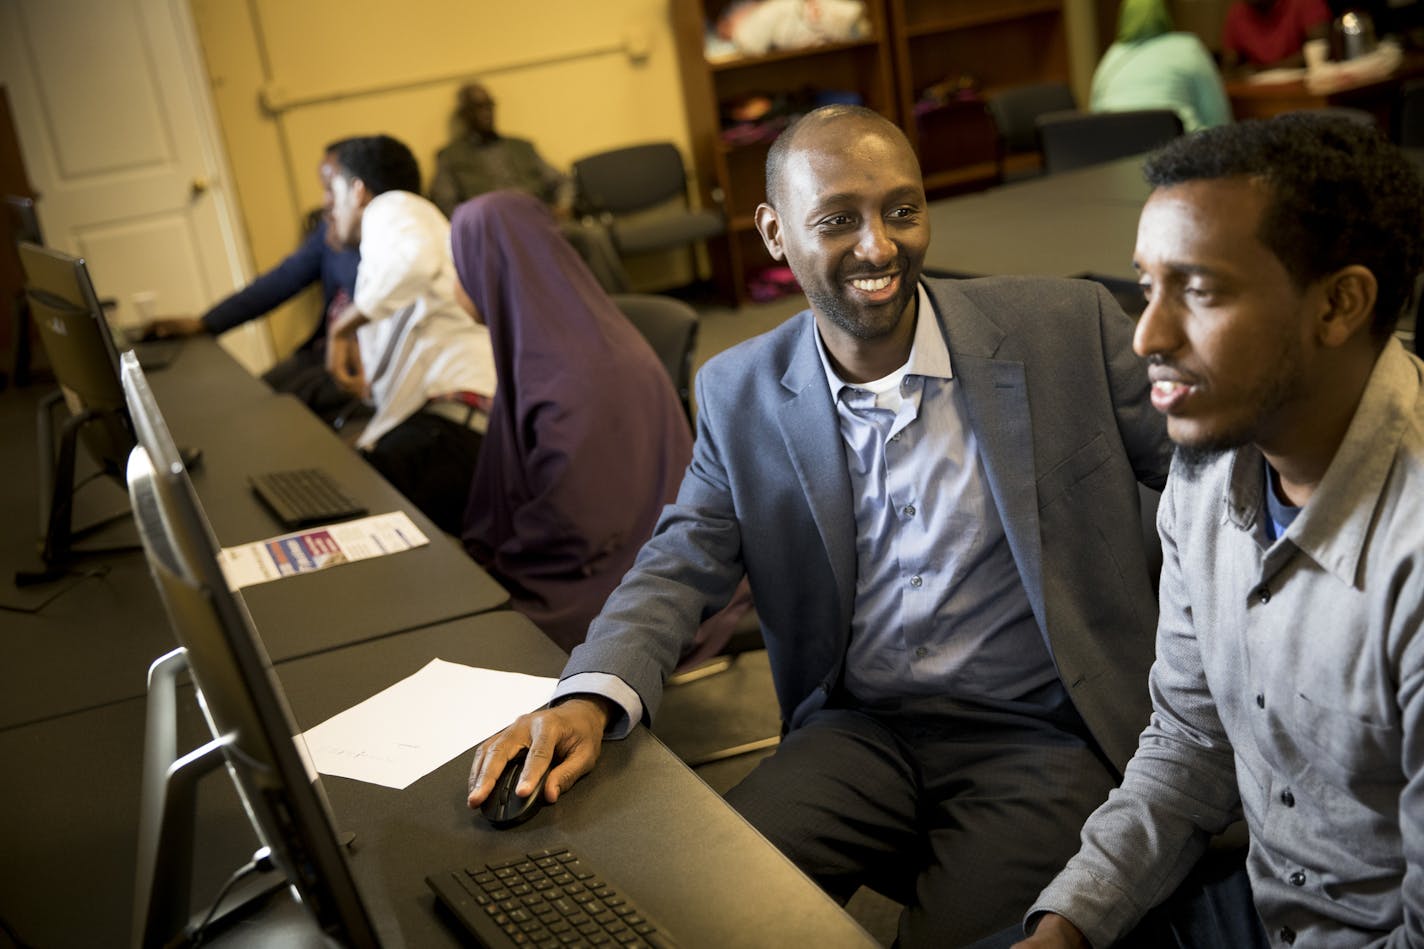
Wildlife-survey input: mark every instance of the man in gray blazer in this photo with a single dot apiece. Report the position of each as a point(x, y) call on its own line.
point(932, 487)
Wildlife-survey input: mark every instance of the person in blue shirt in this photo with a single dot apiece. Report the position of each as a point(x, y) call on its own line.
point(319, 257)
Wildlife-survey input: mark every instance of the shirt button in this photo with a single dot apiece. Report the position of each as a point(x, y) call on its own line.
point(921, 652)
point(895, 437)
point(1263, 594)
point(1287, 798)
point(1287, 935)
point(916, 580)
point(1297, 878)
point(908, 510)
point(1260, 700)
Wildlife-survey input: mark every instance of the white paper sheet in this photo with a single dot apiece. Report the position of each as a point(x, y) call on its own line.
point(401, 734)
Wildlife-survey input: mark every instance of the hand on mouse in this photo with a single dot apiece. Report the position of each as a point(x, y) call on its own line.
point(566, 738)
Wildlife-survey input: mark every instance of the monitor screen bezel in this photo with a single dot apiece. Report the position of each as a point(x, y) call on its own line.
point(239, 692)
point(65, 311)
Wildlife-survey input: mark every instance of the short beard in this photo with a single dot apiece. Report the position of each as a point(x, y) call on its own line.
point(1194, 459)
point(1273, 395)
point(846, 317)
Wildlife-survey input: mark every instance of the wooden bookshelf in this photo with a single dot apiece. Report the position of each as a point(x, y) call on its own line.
point(985, 44)
point(910, 45)
point(732, 175)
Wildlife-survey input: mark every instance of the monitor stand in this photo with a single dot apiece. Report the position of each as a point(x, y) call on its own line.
point(164, 865)
point(56, 479)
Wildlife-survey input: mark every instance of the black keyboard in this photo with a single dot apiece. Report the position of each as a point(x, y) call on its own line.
point(545, 899)
point(303, 497)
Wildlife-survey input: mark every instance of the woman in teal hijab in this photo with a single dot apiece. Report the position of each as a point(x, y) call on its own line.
point(1152, 67)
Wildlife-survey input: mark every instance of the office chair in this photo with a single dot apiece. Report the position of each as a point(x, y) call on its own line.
point(640, 194)
point(1077, 139)
point(1015, 110)
point(670, 327)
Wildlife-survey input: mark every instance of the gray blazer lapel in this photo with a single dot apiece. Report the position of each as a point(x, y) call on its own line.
point(811, 430)
point(996, 398)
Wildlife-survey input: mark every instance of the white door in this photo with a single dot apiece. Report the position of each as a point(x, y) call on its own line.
point(117, 134)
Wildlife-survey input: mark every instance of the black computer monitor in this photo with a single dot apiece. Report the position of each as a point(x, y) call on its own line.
point(241, 699)
point(66, 313)
point(81, 349)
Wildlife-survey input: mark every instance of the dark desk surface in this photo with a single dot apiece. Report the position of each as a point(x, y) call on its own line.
point(68, 813)
point(346, 604)
point(93, 643)
point(1073, 224)
point(212, 383)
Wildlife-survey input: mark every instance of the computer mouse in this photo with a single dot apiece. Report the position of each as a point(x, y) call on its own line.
point(503, 808)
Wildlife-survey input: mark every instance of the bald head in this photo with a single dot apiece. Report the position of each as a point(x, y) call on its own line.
point(851, 121)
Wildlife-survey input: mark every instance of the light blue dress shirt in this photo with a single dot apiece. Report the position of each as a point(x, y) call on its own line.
point(940, 608)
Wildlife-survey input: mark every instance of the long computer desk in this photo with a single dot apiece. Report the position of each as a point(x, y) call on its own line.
point(651, 827)
point(1080, 223)
point(93, 643)
point(72, 724)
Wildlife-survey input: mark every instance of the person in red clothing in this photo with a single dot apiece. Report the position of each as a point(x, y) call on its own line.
point(1270, 33)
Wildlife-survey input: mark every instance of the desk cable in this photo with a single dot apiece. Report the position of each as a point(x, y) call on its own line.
point(261, 862)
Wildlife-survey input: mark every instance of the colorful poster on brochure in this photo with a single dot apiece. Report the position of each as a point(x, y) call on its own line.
point(319, 548)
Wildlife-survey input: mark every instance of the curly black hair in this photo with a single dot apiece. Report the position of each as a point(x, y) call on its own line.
point(1340, 194)
point(776, 157)
point(381, 163)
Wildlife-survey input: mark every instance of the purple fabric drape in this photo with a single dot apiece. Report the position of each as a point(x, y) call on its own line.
point(587, 440)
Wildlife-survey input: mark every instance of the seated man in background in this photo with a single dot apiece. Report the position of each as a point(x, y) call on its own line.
point(403, 343)
point(1150, 66)
point(320, 257)
point(1289, 683)
point(1261, 34)
point(932, 486)
point(483, 160)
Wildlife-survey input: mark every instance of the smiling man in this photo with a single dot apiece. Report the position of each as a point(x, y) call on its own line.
point(1277, 258)
point(932, 486)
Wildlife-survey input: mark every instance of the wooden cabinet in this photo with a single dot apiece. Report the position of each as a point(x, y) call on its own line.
point(731, 168)
point(909, 46)
point(981, 46)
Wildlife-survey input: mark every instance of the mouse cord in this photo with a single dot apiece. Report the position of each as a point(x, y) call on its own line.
point(261, 862)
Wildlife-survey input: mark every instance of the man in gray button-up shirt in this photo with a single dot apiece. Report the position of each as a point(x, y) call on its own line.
point(1289, 683)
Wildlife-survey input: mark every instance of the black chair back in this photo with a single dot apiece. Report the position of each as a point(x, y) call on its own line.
point(631, 179)
point(1017, 108)
point(1077, 139)
point(670, 327)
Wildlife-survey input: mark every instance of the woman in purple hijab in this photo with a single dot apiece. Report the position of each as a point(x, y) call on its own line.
point(587, 440)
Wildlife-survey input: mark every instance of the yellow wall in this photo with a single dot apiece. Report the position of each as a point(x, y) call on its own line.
point(289, 77)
